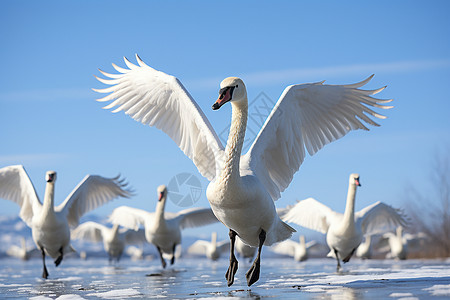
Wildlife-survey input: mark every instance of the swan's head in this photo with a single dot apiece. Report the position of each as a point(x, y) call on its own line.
point(162, 192)
point(354, 179)
point(232, 89)
point(50, 176)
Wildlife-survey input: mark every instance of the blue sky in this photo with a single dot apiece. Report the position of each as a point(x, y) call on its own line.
point(51, 121)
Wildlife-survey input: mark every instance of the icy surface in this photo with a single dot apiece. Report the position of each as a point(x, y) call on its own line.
point(194, 278)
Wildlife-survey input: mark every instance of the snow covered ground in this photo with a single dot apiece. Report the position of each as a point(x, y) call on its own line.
point(194, 278)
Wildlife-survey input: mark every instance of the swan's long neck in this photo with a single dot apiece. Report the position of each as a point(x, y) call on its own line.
point(302, 241)
point(349, 214)
point(160, 207)
point(230, 171)
point(214, 239)
point(49, 199)
point(115, 230)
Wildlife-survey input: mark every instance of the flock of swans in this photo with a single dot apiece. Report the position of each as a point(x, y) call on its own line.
point(243, 188)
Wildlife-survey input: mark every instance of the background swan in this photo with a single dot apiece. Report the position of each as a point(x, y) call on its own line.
point(50, 225)
point(213, 249)
point(243, 188)
point(162, 229)
point(297, 250)
point(244, 250)
point(114, 239)
point(400, 243)
point(364, 250)
point(23, 252)
point(344, 232)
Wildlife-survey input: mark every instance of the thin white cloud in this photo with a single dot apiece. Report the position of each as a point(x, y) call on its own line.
point(307, 74)
point(257, 78)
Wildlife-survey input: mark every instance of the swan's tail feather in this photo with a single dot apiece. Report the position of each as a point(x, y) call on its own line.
point(282, 232)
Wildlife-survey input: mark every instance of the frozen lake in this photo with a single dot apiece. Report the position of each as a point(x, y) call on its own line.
point(200, 278)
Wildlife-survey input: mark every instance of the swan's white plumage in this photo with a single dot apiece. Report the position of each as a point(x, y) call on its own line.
point(212, 249)
point(299, 251)
point(157, 99)
point(95, 232)
point(163, 229)
point(92, 192)
point(345, 231)
point(16, 186)
point(305, 118)
point(114, 239)
point(50, 225)
point(134, 218)
point(311, 214)
point(378, 218)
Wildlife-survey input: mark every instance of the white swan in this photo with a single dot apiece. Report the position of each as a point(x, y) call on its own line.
point(364, 250)
point(242, 188)
point(399, 243)
point(162, 229)
point(23, 252)
point(345, 231)
point(243, 249)
point(297, 250)
point(50, 225)
point(213, 250)
point(114, 239)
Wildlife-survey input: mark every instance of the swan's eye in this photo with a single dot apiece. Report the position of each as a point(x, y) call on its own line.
point(237, 85)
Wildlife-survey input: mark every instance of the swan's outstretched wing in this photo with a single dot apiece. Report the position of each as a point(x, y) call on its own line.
point(307, 116)
point(286, 247)
point(90, 231)
point(92, 192)
point(16, 186)
point(135, 236)
point(195, 217)
point(130, 217)
point(379, 218)
point(199, 247)
point(311, 214)
point(311, 244)
point(158, 99)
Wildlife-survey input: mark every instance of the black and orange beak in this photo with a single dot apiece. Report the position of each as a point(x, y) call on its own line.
point(160, 196)
point(357, 182)
point(50, 177)
point(225, 95)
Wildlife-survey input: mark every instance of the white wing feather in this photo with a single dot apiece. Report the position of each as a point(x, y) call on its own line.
point(379, 218)
point(90, 193)
point(90, 231)
point(130, 217)
point(195, 217)
point(158, 99)
point(16, 186)
point(311, 214)
point(307, 116)
point(199, 247)
point(286, 247)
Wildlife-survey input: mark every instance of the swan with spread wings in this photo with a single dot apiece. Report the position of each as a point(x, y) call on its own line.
point(50, 225)
point(243, 188)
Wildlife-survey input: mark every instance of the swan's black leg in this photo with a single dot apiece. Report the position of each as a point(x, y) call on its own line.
point(163, 262)
point(173, 254)
point(345, 260)
point(60, 257)
point(337, 258)
point(45, 272)
point(233, 261)
point(253, 274)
